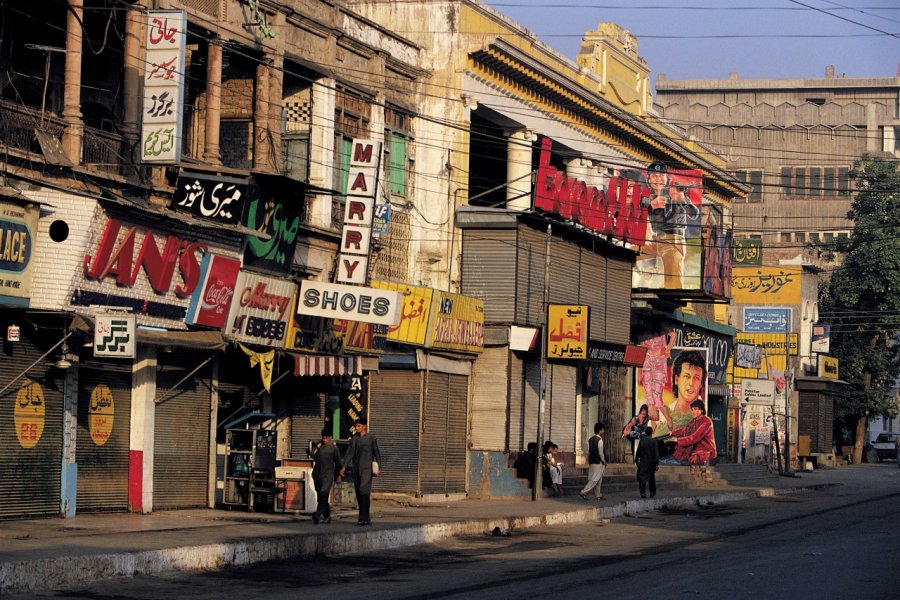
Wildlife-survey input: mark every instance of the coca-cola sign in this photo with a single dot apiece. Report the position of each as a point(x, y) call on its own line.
point(212, 298)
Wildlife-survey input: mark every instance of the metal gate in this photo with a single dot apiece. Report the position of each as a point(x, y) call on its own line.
point(182, 441)
point(30, 432)
point(102, 440)
point(490, 398)
point(443, 464)
point(394, 420)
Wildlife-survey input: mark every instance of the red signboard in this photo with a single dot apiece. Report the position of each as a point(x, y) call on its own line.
point(212, 298)
point(616, 212)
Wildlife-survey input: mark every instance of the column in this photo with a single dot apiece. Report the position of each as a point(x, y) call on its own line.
point(262, 157)
point(74, 130)
point(518, 169)
point(131, 100)
point(213, 102)
point(143, 419)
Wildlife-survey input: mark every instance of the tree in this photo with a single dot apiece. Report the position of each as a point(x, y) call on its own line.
point(861, 300)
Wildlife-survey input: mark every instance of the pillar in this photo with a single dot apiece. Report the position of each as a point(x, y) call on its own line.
point(143, 419)
point(74, 128)
point(131, 99)
point(213, 102)
point(518, 169)
point(262, 148)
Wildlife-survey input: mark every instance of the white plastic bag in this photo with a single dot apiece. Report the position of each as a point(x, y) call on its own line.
point(376, 470)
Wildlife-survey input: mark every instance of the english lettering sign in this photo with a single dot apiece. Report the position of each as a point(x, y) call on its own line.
point(260, 309)
point(353, 303)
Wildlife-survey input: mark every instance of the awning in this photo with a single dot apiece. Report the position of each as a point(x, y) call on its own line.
point(318, 365)
point(718, 390)
point(200, 339)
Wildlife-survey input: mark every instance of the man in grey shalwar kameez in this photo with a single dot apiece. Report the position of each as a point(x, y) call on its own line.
point(328, 461)
point(363, 451)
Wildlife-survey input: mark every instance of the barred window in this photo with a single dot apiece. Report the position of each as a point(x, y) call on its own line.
point(754, 177)
point(815, 182)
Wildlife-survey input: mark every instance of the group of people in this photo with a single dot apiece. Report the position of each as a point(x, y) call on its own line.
point(362, 461)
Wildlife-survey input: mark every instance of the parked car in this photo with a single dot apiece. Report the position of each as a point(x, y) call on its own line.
point(885, 445)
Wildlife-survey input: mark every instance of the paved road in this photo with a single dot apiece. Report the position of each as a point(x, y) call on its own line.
point(835, 543)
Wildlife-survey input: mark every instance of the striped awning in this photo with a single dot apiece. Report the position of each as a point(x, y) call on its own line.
point(320, 365)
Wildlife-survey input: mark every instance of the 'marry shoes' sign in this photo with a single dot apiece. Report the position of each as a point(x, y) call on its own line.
point(259, 310)
point(353, 303)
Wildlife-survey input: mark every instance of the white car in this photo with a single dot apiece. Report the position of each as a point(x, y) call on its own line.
point(885, 445)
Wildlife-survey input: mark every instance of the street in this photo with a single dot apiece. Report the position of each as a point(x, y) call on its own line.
point(831, 543)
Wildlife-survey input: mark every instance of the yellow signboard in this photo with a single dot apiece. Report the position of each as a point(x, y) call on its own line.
point(457, 322)
point(828, 367)
point(567, 331)
point(415, 304)
point(766, 285)
point(29, 413)
point(101, 414)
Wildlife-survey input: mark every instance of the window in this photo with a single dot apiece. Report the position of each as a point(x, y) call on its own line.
point(396, 137)
point(815, 182)
point(786, 237)
point(753, 177)
point(800, 236)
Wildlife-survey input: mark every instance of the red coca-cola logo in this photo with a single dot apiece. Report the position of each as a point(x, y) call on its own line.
point(217, 296)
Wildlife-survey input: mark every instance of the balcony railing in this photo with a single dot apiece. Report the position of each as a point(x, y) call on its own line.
point(19, 123)
point(106, 151)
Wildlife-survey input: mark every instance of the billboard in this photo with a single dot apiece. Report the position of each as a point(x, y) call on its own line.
point(766, 285)
point(671, 378)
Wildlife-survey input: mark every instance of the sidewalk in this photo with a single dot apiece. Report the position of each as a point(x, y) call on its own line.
point(54, 553)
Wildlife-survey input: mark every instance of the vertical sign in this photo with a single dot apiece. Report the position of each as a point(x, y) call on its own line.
point(17, 228)
point(567, 331)
point(114, 336)
point(163, 87)
point(362, 181)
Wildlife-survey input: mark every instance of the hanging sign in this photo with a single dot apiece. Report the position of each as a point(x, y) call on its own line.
point(114, 336)
point(359, 211)
point(163, 87)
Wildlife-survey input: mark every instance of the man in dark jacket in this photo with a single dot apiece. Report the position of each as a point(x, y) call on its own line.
point(646, 457)
point(328, 461)
point(362, 454)
point(596, 463)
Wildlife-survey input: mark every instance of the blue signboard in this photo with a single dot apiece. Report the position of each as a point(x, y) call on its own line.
point(765, 319)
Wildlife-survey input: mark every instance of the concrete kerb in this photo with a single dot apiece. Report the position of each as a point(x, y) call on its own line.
point(49, 573)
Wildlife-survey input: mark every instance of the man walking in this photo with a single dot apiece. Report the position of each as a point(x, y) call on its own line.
point(596, 463)
point(328, 461)
point(646, 457)
point(362, 456)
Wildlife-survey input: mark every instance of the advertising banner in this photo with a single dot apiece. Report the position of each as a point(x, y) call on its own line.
point(260, 309)
point(18, 225)
point(213, 197)
point(411, 326)
point(765, 319)
point(672, 377)
point(456, 322)
point(211, 299)
point(766, 285)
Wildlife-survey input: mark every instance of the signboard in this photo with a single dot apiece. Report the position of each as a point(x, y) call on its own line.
point(456, 322)
point(278, 216)
point(747, 356)
point(758, 391)
point(828, 367)
point(219, 199)
point(212, 297)
point(766, 285)
point(821, 338)
point(359, 211)
point(773, 343)
point(415, 307)
point(18, 225)
point(617, 212)
point(567, 331)
point(353, 303)
point(260, 309)
point(717, 264)
point(163, 87)
point(766, 319)
point(671, 258)
point(114, 336)
point(381, 224)
point(747, 252)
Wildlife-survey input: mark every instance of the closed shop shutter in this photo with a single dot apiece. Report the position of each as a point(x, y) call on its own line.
point(516, 403)
point(592, 291)
point(564, 270)
point(532, 399)
point(394, 420)
point(488, 271)
point(30, 432)
point(444, 433)
point(613, 391)
point(530, 267)
point(181, 447)
point(307, 417)
point(618, 300)
point(489, 399)
point(561, 406)
point(104, 432)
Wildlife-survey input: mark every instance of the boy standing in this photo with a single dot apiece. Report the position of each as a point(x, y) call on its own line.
point(328, 462)
point(596, 462)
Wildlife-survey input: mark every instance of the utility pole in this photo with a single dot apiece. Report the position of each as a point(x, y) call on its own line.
point(787, 403)
point(539, 438)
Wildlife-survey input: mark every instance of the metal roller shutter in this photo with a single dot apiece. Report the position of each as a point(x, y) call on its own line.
point(532, 400)
point(30, 433)
point(592, 291)
point(618, 301)
point(444, 433)
point(490, 389)
point(565, 272)
point(561, 407)
point(516, 403)
point(307, 420)
point(394, 420)
point(488, 271)
point(104, 432)
point(181, 447)
point(530, 266)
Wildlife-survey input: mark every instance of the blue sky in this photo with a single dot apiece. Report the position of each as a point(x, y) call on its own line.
point(755, 38)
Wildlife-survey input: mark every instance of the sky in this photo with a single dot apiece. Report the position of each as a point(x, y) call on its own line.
point(710, 39)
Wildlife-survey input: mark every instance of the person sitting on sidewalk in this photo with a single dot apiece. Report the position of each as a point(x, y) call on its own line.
point(553, 468)
point(695, 443)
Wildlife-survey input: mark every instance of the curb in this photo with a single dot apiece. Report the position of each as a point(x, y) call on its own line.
point(54, 573)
